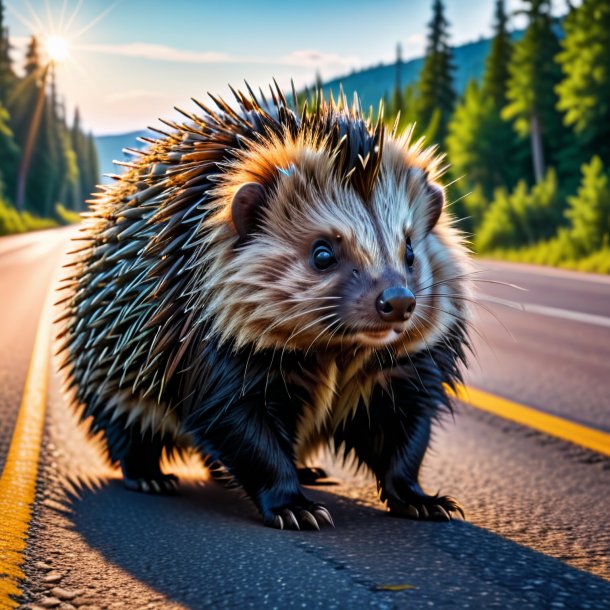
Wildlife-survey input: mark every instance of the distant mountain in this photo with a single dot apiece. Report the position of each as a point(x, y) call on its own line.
point(370, 83)
point(110, 148)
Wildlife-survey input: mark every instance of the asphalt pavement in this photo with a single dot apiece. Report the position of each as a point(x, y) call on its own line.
point(537, 533)
point(529, 350)
point(27, 263)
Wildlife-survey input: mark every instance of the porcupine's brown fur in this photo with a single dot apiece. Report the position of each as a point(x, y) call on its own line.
point(164, 283)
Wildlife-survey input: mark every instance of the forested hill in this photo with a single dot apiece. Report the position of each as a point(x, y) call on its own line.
point(372, 84)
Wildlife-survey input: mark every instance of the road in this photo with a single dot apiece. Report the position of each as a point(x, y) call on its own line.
point(537, 534)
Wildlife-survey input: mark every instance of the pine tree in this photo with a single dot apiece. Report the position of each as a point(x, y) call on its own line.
point(397, 99)
point(436, 94)
point(479, 144)
point(589, 210)
point(523, 217)
point(86, 156)
point(8, 79)
point(9, 155)
point(28, 111)
point(44, 183)
point(57, 129)
point(531, 95)
point(32, 57)
point(22, 105)
point(495, 77)
point(93, 165)
point(584, 92)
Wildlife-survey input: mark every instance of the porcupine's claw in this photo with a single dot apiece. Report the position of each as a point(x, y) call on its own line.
point(433, 508)
point(301, 518)
point(322, 515)
point(165, 484)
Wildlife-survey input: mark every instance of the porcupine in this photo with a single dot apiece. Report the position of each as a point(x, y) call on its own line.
point(263, 281)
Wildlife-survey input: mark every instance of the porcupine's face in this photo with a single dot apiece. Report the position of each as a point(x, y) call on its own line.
point(325, 268)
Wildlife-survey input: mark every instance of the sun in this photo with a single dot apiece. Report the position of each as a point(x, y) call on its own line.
point(57, 48)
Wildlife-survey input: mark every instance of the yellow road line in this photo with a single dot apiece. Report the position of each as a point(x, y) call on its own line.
point(18, 480)
point(596, 440)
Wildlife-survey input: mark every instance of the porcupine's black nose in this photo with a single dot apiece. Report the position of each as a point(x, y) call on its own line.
point(395, 304)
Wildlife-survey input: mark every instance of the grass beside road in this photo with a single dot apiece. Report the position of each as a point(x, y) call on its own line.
point(12, 221)
point(598, 262)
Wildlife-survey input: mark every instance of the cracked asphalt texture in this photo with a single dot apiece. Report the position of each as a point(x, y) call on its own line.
point(537, 534)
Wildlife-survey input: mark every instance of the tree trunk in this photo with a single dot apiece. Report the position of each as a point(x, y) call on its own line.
point(537, 154)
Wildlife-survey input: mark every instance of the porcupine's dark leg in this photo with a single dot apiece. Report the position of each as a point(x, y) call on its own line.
point(140, 463)
point(392, 436)
point(253, 444)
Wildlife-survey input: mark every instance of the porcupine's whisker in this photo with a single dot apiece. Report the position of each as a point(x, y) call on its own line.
point(449, 329)
point(325, 329)
point(395, 363)
point(334, 332)
point(307, 299)
point(408, 355)
point(287, 341)
point(478, 304)
point(457, 317)
point(472, 279)
point(417, 329)
point(304, 328)
point(292, 316)
point(462, 276)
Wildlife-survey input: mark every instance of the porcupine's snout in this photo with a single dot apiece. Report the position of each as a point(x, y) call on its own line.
point(395, 304)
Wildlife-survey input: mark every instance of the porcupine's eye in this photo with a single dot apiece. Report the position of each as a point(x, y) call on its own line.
point(323, 257)
point(410, 255)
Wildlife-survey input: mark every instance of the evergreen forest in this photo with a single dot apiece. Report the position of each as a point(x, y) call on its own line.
point(48, 163)
point(528, 145)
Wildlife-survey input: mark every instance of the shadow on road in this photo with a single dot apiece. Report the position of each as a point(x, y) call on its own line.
point(207, 548)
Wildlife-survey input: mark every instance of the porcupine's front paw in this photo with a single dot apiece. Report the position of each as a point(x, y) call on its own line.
point(161, 484)
point(413, 503)
point(296, 514)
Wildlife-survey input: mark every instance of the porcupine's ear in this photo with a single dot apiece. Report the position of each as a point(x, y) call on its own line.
point(435, 204)
point(247, 206)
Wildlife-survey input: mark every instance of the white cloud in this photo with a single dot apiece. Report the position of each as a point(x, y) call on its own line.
point(415, 39)
point(313, 58)
point(134, 94)
point(157, 52)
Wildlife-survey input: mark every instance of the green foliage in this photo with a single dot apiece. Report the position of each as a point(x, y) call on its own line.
point(436, 93)
point(514, 116)
point(12, 221)
point(583, 244)
point(584, 93)
point(599, 262)
point(534, 75)
point(9, 153)
point(63, 164)
point(495, 78)
point(479, 143)
point(474, 205)
point(65, 216)
point(589, 210)
point(44, 177)
point(522, 217)
point(8, 78)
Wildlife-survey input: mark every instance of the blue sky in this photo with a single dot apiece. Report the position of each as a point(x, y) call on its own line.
point(131, 61)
